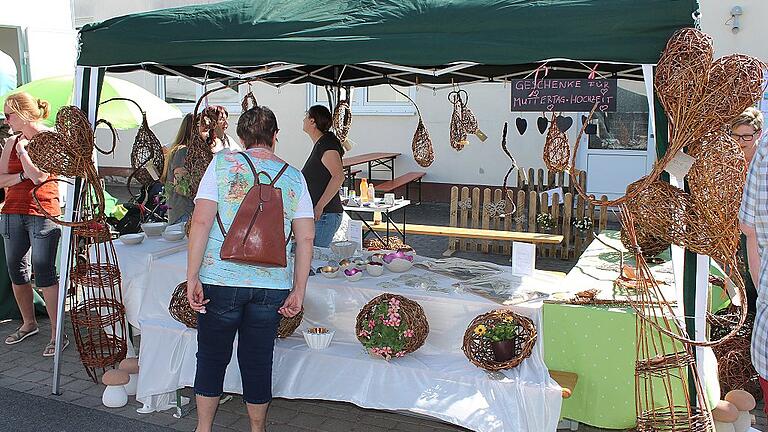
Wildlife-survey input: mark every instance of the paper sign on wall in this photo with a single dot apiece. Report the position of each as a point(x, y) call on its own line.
point(355, 233)
point(523, 258)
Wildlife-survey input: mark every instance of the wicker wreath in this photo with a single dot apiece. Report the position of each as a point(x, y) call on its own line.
point(183, 313)
point(478, 348)
point(411, 314)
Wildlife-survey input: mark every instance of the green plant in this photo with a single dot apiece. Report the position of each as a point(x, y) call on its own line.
point(545, 220)
point(385, 333)
point(506, 330)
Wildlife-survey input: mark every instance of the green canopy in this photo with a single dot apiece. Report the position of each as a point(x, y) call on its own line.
point(315, 39)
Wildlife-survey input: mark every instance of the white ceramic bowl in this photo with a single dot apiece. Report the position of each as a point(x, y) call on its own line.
point(173, 235)
point(355, 277)
point(329, 272)
point(399, 265)
point(374, 270)
point(343, 249)
point(318, 341)
point(132, 239)
point(154, 229)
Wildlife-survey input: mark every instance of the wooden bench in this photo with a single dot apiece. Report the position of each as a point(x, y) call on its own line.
point(474, 233)
point(400, 181)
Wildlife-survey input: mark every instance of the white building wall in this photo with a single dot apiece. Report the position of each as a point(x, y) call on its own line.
point(716, 20)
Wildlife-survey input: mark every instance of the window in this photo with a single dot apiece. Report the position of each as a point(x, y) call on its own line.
point(376, 100)
point(627, 128)
point(185, 94)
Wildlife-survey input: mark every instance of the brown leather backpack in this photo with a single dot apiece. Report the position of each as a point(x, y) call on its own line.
point(257, 233)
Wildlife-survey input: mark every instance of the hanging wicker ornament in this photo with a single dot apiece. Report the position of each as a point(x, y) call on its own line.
point(249, 100)
point(557, 151)
point(199, 153)
point(508, 194)
point(421, 145)
point(342, 120)
point(463, 121)
point(147, 157)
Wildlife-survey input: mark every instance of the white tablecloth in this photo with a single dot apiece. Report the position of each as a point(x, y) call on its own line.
point(437, 380)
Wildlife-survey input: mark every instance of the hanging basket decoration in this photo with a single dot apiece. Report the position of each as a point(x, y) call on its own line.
point(180, 309)
point(289, 325)
point(199, 150)
point(147, 151)
point(421, 145)
point(249, 100)
point(458, 131)
point(477, 347)
point(342, 120)
point(557, 151)
point(374, 323)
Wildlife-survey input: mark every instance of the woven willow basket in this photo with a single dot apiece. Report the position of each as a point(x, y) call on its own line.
point(478, 348)
point(411, 314)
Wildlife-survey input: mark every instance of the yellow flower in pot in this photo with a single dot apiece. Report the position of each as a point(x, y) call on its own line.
point(480, 330)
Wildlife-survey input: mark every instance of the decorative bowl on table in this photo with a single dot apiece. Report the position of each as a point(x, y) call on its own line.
point(173, 235)
point(377, 257)
point(346, 263)
point(374, 268)
point(407, 250)
point(329, 272)
point(398, 262)
point(132, 239)
point(353, 274)
point(154, 229)
point(318, 337)
point(344, 248)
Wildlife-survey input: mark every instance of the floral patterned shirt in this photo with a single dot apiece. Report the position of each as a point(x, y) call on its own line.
point(226, 181)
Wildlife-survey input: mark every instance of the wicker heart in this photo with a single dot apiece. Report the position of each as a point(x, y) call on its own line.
point(735, 83)
point(683, 69)
point(51, 153)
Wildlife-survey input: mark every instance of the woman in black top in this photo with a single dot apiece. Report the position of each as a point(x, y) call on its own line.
point(324, 174)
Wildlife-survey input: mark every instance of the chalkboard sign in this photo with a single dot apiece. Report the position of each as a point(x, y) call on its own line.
point(563, 95)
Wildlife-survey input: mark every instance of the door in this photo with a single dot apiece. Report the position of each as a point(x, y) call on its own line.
point(621, 150)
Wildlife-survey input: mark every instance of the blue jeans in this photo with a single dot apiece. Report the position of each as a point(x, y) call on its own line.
point(251, 313)
point(22, 232)
point(326, 227)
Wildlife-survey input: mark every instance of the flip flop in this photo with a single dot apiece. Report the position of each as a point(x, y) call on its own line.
point(50, 349)
point(19, 335)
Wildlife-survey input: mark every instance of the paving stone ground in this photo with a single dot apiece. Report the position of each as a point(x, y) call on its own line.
point(23, 369)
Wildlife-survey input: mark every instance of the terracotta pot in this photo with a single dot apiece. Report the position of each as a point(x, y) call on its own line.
point(504, 350)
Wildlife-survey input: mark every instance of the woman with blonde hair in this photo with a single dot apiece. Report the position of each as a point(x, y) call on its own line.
point(22, 223)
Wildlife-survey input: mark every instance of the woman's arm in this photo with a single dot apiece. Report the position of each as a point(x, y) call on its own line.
point(202, 221)
point(304, 232)
point(332, 161)
point(6, 155)
point(753, 252)
point(8, 180)
point(31, 171)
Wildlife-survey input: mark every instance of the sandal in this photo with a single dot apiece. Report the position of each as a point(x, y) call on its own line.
point(50, 349)
point(19, 335)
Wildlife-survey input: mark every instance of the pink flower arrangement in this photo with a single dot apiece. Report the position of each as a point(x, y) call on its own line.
point(386, 334)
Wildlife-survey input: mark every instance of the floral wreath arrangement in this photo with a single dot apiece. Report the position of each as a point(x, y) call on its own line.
point(545, 221)
point(583, 223)
point(498, 340)
point(391, 326)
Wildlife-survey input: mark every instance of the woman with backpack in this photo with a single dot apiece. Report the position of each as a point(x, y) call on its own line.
point(232, 297)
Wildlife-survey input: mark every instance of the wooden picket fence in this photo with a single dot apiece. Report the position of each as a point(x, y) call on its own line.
point(488, 209)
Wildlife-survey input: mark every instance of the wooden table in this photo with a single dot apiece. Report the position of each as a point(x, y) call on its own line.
point(484, 234)
point(387, 160)
point(385, 212)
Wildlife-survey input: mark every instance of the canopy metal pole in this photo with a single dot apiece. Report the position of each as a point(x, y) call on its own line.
point(87, 87)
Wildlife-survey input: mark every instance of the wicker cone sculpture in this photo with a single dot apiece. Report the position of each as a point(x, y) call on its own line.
point(410, 312)
point(557, 151)
point(663, 367)
point(478, 348)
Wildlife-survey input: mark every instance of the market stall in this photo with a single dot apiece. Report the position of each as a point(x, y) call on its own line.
point(410, 43)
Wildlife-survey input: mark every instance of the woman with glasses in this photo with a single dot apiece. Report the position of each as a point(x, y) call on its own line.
point(23, 225)
point(753, 217)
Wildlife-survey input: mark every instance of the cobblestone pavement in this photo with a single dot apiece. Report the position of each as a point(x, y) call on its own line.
point(23, 369)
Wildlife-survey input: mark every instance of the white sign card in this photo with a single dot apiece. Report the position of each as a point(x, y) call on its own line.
point(523, 258)
point(680, 165)
point(355, 233)
point(551, 193)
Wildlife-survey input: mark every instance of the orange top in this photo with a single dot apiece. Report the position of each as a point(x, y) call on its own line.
point(18, 198)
